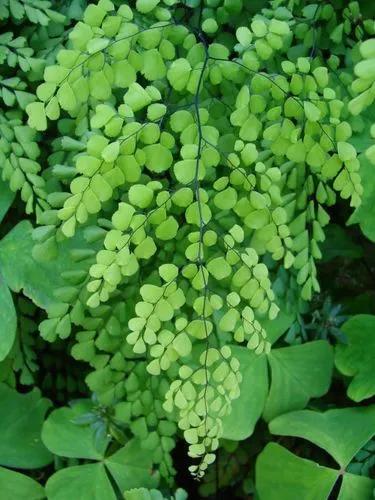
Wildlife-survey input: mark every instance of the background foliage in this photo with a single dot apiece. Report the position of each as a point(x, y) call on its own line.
point(186, 249)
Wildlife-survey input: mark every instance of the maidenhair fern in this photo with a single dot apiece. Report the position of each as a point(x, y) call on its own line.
point(194, 148)
point(21, 65)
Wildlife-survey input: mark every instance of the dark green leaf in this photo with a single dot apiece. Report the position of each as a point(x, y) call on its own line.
point(341, 433)
point(8, 320)
point(299, 373)
point(358, 487)
point(16, 486)
point(282, 475)
point(65, 438)
point(247, 409)
point(21, 421)
point(83, 482)
point(6, 198)
point(356, 358)
point(131, 467)
point(22, 272)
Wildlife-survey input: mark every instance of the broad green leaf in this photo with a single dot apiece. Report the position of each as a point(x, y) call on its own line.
point(340, 432)
point(247, 409)
point(21, 422)
point(8, 320)
point(22, 272)
point(6, 198)
point(86, 482)
point(364, 215)
point(298, 373)
point(63, 437)
point(131, 467)
point(356, 487)
point(16, 486)
point(356, 358)
point(363, 140)
point(282, 475)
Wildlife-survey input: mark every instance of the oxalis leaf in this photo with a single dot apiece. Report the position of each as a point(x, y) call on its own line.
point(281, 474)
point(356, 358)
point(327, 429)
point(21, 422)
point(18, 486)
point(86, 482)
point(248, 408)
point(23, 273)
point(298, 373)
point(8, 320)
point(65, 438)
point(64, 435)
point(363, 140)
point(6, 198)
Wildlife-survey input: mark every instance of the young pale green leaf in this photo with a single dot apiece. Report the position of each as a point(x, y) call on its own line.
point(37, 115)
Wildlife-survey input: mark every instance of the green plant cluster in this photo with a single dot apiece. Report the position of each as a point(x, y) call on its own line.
point(181, 172)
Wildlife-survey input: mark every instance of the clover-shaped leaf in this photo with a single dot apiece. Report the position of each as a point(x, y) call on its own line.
point(298, 373)
point(6, 198)
point(281, 474)
point(65, 438)
point(16, 486)
point(356, 358)
point(21, 421)
point(247, 409)
point(66, 434)
point(86, 482)
point(8, 320)
point(21, 271)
